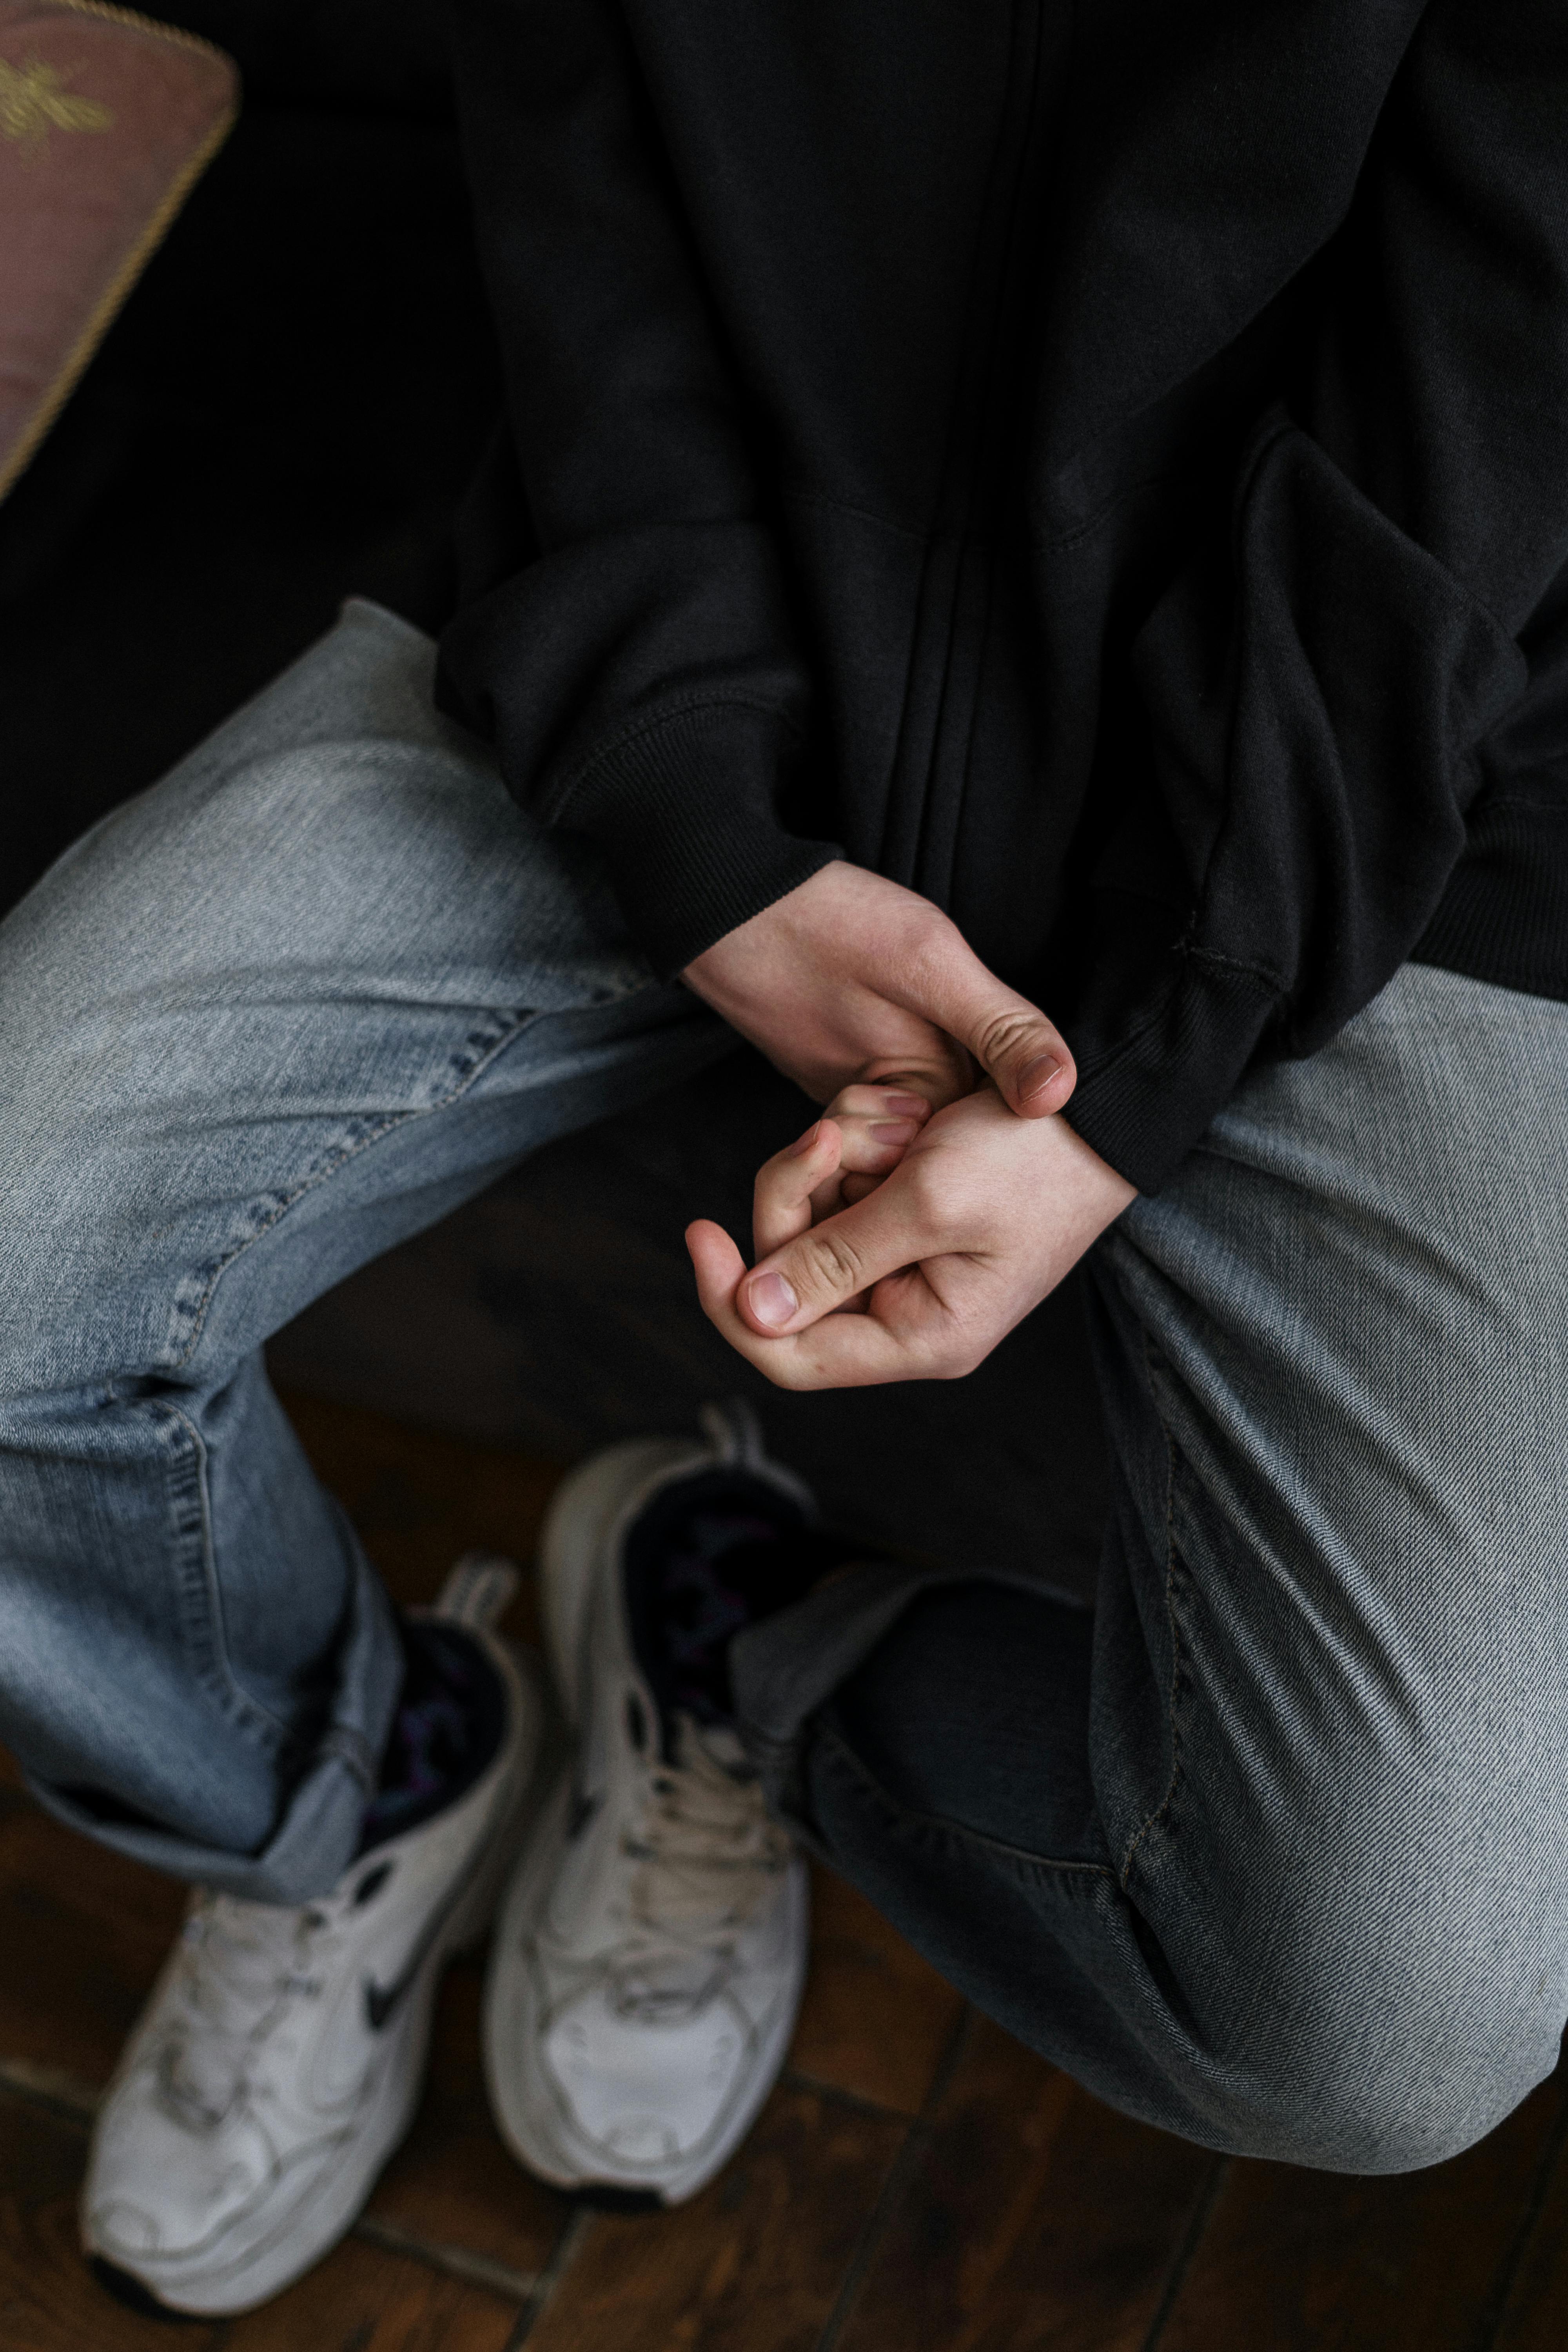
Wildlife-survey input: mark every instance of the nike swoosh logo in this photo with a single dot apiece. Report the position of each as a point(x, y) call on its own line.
point(382, 2002)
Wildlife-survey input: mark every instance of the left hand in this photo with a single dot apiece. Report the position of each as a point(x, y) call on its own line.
point(851, 977)
point(980, 1219)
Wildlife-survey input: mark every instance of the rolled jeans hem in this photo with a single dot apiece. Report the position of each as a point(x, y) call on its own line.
point(785, 1668)
point(319, 1830)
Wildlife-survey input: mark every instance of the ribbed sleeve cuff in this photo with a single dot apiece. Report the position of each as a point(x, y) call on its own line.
point(684, 810)
point(1144, 1103)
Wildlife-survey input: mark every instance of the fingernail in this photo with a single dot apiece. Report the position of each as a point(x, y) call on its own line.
point(914, 1103)
point(892, 1131)
point(772, 1300)
point(798, 1150)
point(1038, 1073)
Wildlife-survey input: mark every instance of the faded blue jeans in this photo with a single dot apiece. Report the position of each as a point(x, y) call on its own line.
point(1273, 1851)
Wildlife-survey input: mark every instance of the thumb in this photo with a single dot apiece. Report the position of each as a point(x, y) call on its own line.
point(1024, 1054)
point(834, 1263)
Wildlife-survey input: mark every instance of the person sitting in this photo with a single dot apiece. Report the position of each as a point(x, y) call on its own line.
point(1024, 576)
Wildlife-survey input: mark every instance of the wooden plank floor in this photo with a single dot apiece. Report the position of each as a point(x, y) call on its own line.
point(916, 2183)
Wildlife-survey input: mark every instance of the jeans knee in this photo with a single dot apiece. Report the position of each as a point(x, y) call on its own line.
point(1402, 2061)
point(1347, 2119)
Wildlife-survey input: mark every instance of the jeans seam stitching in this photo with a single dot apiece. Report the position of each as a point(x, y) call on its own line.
point(201, 1601)
point(1164, 1807)
point(338, 1161)
point(945, 1825)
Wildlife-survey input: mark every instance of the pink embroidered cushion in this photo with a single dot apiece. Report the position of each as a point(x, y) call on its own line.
point(106, 122)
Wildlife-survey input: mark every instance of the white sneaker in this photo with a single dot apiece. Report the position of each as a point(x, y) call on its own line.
point(280, 2057)
point(650, 1952)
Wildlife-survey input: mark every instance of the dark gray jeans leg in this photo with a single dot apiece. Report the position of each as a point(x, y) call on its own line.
point(1278, 1856)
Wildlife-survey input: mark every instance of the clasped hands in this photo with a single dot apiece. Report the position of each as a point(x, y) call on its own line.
point(939, 1198)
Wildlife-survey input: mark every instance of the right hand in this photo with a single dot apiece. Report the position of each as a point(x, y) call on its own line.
point(852, 978)
point(859, 1140)
point(979, 1218)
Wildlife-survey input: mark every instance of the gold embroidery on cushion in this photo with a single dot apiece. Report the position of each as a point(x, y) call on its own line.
point(14, 461)
point(35, 101)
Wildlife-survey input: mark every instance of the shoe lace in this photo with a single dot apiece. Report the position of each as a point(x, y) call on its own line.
point(708, 1856)
point(243, 1969)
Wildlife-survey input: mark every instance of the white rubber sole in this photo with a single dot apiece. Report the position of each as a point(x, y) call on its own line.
point(306, 2232)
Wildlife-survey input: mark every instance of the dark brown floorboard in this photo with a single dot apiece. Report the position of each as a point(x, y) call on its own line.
point(49, 2303)
point(1534, 2297)
point(82, 1935)
point(365, 2299)
point(754, 2263)
point(452, 2185)
point(1301, 2262)
point(1031, 2216)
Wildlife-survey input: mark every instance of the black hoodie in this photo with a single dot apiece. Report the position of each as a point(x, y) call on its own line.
point(1102, 463)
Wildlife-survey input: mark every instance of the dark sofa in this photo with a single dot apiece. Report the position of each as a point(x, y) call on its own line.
point(286, 413)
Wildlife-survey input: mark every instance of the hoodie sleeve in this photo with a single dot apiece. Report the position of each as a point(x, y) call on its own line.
point(639, 676)
point(1320, 682)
